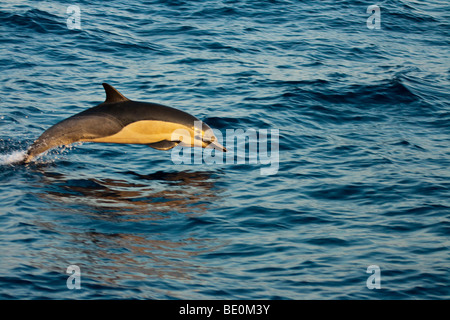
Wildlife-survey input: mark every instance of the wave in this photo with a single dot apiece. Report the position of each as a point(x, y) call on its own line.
point(34, 20)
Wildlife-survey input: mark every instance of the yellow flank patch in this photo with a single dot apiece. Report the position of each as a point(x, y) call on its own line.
point(142, 132)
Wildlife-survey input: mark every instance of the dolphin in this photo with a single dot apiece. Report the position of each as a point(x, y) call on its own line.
point(121, 120)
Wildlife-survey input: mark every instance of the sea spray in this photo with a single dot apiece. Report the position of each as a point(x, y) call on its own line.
point(13, 157)
point(16, 157)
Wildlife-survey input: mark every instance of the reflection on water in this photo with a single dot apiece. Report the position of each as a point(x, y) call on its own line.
point(153, 196)
point(126, 230)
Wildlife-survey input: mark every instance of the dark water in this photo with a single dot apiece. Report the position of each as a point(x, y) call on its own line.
point(364, 151)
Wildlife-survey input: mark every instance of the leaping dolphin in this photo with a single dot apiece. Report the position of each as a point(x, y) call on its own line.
point(120, 120)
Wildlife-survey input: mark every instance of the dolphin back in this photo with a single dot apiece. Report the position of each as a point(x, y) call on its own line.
point(73, 129)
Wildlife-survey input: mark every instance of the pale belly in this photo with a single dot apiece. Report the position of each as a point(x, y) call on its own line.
point(146, 132)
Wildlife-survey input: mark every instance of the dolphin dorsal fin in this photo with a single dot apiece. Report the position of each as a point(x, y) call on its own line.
point(112, 95)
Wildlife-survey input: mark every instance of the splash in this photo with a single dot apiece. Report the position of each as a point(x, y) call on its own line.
point(18, 156)
point(13, 157)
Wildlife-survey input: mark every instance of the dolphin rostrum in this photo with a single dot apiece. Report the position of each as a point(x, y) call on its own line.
point(120, 120)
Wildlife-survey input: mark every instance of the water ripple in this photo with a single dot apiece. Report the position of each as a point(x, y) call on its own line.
point(363, 151)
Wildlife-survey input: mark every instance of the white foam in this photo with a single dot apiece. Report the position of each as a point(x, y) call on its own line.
point(13, 157)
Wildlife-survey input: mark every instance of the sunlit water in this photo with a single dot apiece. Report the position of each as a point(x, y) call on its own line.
point(364, 151)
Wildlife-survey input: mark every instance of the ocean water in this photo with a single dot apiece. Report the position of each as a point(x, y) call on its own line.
point(363, 176)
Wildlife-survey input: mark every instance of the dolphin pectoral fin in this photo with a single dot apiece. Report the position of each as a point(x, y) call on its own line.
point(164, 145)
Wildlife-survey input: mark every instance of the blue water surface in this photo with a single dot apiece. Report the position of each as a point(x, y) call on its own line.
point(364, 151)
